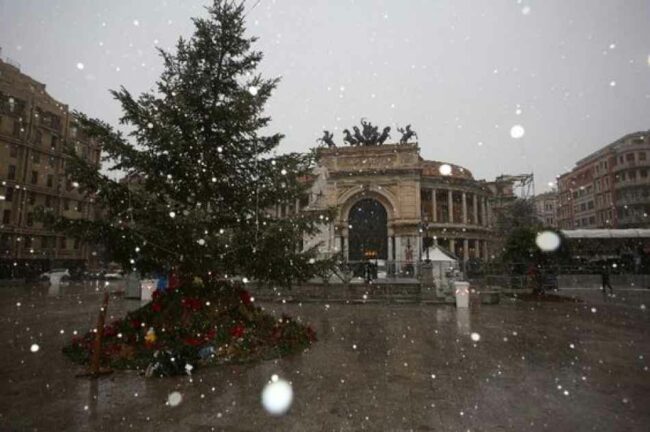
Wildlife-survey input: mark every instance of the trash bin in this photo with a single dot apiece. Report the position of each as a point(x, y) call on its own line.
point(148, 286)
point(133, 289)
point(462, 294)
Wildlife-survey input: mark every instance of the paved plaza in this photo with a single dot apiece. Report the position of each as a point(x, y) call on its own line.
point(535, 366)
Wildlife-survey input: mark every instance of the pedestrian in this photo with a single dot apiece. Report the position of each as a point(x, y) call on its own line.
point(604, 276)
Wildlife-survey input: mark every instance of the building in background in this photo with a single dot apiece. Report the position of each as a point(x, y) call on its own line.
point(389, 199)
point(34, 130)
point(546, 208)
point(610, 188)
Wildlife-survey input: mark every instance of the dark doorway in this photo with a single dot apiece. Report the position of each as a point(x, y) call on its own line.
point(368, 228)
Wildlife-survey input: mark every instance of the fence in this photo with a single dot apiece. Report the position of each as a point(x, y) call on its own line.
point(377, 270)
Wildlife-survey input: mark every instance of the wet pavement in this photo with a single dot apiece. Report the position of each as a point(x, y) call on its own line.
point(550, 366)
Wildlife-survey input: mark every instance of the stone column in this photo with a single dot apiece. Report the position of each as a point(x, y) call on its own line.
point(398, 249)
point(450, 200)
point(465, 249)
point(489, 213)
point(485, 213)
point(434, 206)
point(452, 246)
point(464, 208)
point(486, 252)
point(475, 208)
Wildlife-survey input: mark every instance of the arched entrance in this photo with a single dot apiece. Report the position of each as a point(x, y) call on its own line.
point(368, 230)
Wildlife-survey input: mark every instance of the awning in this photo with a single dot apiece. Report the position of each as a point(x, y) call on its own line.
point(606, 233)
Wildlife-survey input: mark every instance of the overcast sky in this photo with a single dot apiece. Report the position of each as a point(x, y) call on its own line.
point(575, 74)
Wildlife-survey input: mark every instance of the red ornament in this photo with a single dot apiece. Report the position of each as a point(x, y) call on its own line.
point(110, 330)
point(237, 331)
point(210, 334)
point(192, 341)
point(172, 281)
point(192, 303)
point(245, 297)
point(156, 307)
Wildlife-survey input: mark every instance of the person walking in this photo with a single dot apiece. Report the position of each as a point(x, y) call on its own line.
point(604, 276)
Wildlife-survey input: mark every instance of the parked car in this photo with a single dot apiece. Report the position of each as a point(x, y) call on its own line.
point(113, 276)
point(60, 273)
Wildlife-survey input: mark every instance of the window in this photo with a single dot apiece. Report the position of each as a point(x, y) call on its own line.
point(48, 201)
point(36, 158)
point(28, 242)
point(62, 243)
point(66, 204)
point(38, 137)
point(77, 243)
point(643, 173)
point(6, 217)
point(34, 177)
point(13, 151)
point(629, 157)
point(642, 156)
point(590, 205)
point(30, 219)
point(54, 143)
point(9, 194)
point(632, 174)
point(17, 129)
point(11, 174)
point(32, 198)
point(50, 180)
point(52, 161)
point(80, 206)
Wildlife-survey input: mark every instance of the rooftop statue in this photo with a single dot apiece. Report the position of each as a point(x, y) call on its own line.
point(348, 138)
point(327, 139)
point(385, 134)
point(407, 134)
point(367, 135)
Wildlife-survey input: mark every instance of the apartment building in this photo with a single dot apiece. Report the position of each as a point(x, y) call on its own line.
point(34, 130)
point(609, 188)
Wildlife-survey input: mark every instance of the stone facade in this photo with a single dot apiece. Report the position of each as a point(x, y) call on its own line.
point(34, 130)
point(546, 208)
point(420, 197)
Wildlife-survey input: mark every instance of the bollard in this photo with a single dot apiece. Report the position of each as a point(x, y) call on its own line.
point(95, 369)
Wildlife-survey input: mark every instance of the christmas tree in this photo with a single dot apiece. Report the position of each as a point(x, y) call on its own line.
point(208, 182)
point(208, 177)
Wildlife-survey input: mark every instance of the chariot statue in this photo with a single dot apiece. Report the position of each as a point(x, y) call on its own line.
point(407, 134)
point(367, 135)
point(327, 139)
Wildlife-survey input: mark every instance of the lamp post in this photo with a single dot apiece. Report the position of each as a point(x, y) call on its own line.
point(428, 241)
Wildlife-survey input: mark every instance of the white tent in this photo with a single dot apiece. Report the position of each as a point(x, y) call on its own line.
point(442, 264)
point(436, 254)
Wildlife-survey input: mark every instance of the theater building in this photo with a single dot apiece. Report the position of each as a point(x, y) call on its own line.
point(389, 199)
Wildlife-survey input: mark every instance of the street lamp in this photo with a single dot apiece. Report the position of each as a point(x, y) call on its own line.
point(428, 241)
